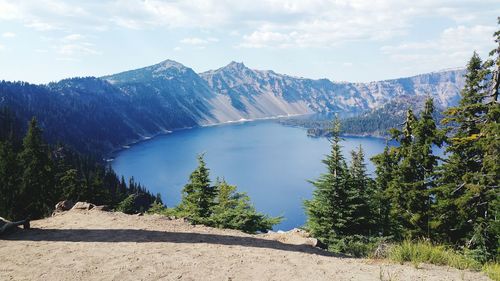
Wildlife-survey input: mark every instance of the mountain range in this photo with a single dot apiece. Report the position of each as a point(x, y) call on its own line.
point(101, 114)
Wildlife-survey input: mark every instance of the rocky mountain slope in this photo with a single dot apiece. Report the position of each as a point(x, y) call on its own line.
point(101, 114)
point(97, 245)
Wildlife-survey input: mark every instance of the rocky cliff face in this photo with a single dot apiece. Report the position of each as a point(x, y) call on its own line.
point(236, 92)
point(251, 91)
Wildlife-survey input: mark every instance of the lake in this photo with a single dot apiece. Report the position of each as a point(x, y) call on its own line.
point(269, 161)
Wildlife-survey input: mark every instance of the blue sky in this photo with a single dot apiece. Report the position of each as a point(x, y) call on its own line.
point(342, 40)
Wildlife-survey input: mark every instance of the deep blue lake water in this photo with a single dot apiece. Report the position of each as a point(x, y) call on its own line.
point(269, 161)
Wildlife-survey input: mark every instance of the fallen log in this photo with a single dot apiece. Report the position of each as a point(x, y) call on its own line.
point(6, 225)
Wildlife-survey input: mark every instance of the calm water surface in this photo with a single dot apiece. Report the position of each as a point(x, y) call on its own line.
point(269, 161)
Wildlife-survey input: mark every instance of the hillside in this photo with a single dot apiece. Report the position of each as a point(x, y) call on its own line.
point(96, 245)
point(99, 115)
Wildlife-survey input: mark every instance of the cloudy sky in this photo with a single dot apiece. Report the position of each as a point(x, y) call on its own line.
point(343, 40)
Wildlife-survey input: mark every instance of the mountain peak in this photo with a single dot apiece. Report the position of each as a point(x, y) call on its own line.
point(169, 64)
point(236, 65)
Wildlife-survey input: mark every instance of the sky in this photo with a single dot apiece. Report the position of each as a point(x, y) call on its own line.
point(342, 40)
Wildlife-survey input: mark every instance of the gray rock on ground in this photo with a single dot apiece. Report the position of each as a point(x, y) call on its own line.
point(83, 206)
point(63, 206)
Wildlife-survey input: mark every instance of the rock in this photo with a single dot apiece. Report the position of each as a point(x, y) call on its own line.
point(139, 214)
point(103, 208)
point(63, 206)
point(300, 232)
point(82, 206)
point(382, 251)
point(315, 243)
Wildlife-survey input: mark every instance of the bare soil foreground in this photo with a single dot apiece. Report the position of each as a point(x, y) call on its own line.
point(96, 245)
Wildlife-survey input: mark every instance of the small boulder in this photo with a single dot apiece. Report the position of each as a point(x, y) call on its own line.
point(64, 206)
point(316, 243)
point(82, 206)
point(103, 208)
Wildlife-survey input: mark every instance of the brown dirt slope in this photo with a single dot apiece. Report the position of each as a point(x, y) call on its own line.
point(96, 245)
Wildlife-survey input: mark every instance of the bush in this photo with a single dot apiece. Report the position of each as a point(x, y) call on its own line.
point(426, 252)
point(492, 270)
point(356, 245)
point(157, 208)
point(127, 206)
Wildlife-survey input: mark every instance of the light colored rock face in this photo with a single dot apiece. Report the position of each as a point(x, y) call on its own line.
point(282, 94)
point(170, 95)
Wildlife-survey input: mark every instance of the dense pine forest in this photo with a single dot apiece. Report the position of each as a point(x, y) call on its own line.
point(376, 122)
point(35, 175)
point(417, 195)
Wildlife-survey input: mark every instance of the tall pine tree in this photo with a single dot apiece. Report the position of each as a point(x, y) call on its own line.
point(198, 195)
point(361, 189)
point(36, 192)
point(329, 213)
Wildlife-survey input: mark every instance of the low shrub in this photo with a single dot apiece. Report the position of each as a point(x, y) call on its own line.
point(492, 270)
point(418, 252)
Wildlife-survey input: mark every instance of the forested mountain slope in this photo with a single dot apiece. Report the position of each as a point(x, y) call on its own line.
point(101, 114)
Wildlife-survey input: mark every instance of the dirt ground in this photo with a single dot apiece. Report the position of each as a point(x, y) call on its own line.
point(96, 245)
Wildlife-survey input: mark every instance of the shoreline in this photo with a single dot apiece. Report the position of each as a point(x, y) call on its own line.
point(110, 157)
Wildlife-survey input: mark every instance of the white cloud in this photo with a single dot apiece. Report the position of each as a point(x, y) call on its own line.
point(454, 44)
point(78, 49)
point(8, 11)
point(73, 37)
point(196, 41)
point(257, 23)
point(41, 26)
point(2, 47)
point(8, 34)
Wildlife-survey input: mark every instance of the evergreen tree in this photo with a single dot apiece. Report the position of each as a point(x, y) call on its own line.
point(408, 198)
point(329, 212)
point(361, 189)
point(234, 210)
point(71, 186)
point(385, 166)
point(198, 195)
point(9, 179)
point(426, 136)
point(460, 174)
point(36, 197)
point(488, 225)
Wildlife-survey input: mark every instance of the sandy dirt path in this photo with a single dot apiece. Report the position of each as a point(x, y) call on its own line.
point(96, 245)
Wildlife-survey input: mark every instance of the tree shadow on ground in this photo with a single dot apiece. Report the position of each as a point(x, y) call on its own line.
point(153, 236)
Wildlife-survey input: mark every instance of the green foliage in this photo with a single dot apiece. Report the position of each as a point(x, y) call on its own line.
point(127, 206)
point(355, 245)
point(385, 166)
point(361, 185)
point(198, 196)
point(36, 176)
point(340, 206)
point(492, 270)
point(467, 196)
point(36, 185)
point(329, 211)
point(71, 184)
point(454, 201)
point(233, 210)
point(219, 206)
point(157, 208)
point(426, 252)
